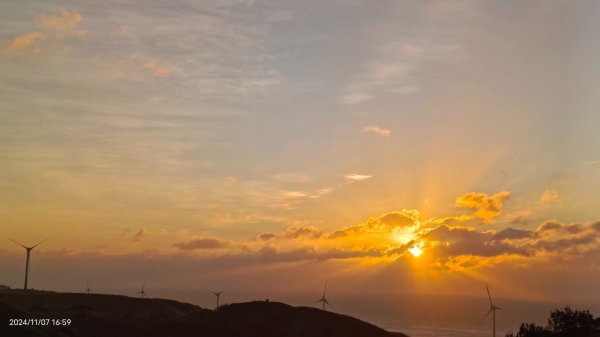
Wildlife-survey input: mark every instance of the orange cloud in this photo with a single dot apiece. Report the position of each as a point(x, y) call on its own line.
point(356, 177)
point(549, 196)
point(137, 67)
point(486, 206)
point(231, 180)
point(382, 225)
point(159, 71)
point(377, 130)
point(26, 41)
point(201, 243)
point(63, 23)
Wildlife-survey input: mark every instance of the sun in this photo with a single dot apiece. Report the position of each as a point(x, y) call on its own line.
point(416, 251)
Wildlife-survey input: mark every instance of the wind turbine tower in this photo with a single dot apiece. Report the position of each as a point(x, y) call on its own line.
point(492, 310)
point(142, 292)
point(27, 263)
point(218, 295)
point(323, 299)
point(88, 289)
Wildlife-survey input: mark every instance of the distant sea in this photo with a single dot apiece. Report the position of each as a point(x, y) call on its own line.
point(453, 316)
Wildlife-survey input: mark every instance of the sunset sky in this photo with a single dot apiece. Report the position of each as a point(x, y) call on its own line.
point(273, 144)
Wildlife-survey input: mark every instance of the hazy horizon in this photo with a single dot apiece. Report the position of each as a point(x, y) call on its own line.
point(412, 147)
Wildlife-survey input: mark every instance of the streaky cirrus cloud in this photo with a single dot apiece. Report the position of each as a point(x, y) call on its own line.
point(376, 130)
point(201, 243)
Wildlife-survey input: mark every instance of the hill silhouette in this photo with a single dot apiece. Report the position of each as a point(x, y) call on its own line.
point(112, 315)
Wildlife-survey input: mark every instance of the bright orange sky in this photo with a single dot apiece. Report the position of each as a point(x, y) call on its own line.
point(250, 139)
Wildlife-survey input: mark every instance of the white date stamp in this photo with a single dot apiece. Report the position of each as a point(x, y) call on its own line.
point(39, 321)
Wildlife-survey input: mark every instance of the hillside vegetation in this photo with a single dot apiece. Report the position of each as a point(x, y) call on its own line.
point(95, 315)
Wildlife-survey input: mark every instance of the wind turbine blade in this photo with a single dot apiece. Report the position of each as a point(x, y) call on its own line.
point(325, 289)
point(317, 301)
point(18, 243)
point(329, 304)
point(486, 315)
point(497, 308)
point(144, 285)
point(39, 243)
point(488, 291)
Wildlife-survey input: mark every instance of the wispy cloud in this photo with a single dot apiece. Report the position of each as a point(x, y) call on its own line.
point(355, 98)
point(138, 67)
point(356, 177)
point(231, 180)
point(549, 196)
point(123, 31)
point(54, 27)
point(63, 23)
point(399, 66)
point(158, 70)
point(377, 130)
point(139, 235)
point(26, 41)
point(294, 194)
point(201, 243)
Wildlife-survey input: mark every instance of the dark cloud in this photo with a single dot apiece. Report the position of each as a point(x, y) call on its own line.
point(268, 236)
point(512, 233)
point(302, 232)
point(204, 243)
point(453, 241)
point(140, 235)
point(555, 226)
point(568, 245)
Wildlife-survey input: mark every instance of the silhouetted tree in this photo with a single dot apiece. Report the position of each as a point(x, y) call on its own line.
point(563, 323)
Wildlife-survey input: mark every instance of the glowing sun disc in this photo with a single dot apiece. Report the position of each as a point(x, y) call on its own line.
point(415, 251)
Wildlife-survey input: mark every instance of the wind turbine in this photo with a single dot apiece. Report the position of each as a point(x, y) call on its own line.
point(323, 299)
point(493, 309)
point(218, 294)
point(27, 263)
point(88, 289)
point(142, 292)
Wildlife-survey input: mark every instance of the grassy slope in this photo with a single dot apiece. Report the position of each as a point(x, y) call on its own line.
point(111, 315)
